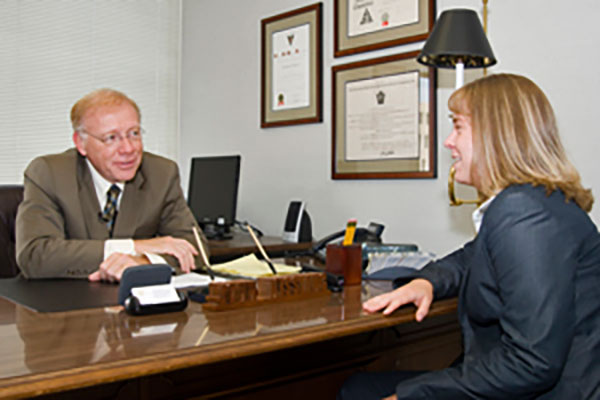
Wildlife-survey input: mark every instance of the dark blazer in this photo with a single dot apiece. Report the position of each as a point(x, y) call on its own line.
point(529, 304)
point(59, 232)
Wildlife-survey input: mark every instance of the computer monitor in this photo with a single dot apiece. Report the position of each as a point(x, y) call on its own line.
point(212, 194)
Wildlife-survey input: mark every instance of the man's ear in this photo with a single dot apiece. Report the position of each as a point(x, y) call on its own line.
point(79, 143)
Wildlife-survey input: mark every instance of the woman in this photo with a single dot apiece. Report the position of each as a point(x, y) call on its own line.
point(529, 283)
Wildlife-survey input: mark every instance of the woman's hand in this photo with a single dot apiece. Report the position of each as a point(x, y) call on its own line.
point(419, 292)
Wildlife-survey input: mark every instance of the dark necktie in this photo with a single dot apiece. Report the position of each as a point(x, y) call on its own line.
point(109, 213)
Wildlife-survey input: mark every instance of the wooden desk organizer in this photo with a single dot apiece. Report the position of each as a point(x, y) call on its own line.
point(245, 293)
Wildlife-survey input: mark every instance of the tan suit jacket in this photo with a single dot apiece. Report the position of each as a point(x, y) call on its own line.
point(59, 232)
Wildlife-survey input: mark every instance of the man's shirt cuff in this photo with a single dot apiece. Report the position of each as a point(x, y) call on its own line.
point(155, 258)
point(126, 246)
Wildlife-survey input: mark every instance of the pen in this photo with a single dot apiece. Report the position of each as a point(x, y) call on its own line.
point(350, 230)
point(203, 253)
point(261, 249)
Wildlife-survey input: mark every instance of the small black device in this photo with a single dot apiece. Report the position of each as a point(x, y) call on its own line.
point(133, 306)
point(212, 194)
point(147, 275)
point(198, 295)
point(335, 283)
point(376, 229)
point(297, 227)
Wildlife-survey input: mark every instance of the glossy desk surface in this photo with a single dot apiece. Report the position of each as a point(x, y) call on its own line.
point(44, 353)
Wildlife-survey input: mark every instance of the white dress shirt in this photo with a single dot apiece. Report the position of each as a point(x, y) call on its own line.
point(478, 213)
point(111, 246)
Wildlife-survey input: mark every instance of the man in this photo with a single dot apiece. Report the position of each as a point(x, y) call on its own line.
point(93, 211)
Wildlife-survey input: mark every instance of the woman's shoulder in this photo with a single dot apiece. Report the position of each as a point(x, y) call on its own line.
point(518, 202)
point(517, 197)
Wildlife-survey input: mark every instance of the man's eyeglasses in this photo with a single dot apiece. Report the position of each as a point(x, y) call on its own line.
point(113, 139)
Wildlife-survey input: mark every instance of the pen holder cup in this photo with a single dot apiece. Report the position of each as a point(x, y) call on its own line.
point(346, 261)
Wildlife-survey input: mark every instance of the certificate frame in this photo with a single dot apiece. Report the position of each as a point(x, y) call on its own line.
point(347, 44)
point(424, 165)
point(310, 110)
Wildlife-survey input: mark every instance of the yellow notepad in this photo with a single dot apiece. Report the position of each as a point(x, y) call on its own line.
point(252, 267)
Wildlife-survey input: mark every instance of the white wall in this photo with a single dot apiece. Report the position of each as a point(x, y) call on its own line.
point(554, 42)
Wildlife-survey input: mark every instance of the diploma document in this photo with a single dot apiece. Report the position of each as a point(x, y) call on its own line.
point(367, 16)
point(382, 117)
point(291, 68)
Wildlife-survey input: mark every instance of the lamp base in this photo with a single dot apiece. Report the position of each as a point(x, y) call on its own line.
point(460, 75)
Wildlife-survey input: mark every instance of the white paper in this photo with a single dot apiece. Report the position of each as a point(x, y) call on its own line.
point(367, 16)
point(291, 68)
point(156, 294)
point(415, 260)
point(382, 117)
point(193, 279)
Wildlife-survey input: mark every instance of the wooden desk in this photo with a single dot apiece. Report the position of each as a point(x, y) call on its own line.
point(293, 349)
point(242, 244)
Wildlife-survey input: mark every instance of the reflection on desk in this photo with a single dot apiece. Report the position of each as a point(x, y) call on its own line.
point(288, 345)
point(75, 339)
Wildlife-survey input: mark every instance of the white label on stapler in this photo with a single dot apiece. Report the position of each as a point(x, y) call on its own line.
point(157, 294)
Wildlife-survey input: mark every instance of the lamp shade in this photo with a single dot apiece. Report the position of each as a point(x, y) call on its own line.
point(457, 37)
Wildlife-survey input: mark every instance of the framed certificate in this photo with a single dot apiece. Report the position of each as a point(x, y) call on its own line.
point(291, 86)
point(365, 25)
point(383, 119)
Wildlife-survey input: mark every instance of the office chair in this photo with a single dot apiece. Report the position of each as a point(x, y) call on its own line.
point(10, 198)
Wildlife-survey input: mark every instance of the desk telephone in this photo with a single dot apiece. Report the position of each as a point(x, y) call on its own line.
point(371, 234)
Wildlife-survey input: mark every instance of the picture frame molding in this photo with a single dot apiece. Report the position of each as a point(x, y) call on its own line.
point(287, 20)
point(344, 45)
point(389, 169)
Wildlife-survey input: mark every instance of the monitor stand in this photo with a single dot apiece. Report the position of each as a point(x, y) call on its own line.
point(216, 232)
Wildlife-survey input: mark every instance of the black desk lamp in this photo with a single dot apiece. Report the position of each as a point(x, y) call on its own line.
point(457, 41)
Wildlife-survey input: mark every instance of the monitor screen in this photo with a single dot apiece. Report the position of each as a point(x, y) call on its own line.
point(212, 194)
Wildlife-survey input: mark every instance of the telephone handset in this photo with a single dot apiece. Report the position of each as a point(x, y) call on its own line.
point(370, 234)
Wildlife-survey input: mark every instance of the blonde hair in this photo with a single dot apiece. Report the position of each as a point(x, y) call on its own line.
point(515, 138)
point(98, 98)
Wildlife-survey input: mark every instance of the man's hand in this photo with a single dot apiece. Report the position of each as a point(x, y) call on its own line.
point(181, 249)
point(112, 268)
point(392, 397)
point(419, 292)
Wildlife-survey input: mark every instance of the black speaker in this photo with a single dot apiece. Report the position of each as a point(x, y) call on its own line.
point(297, 227)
